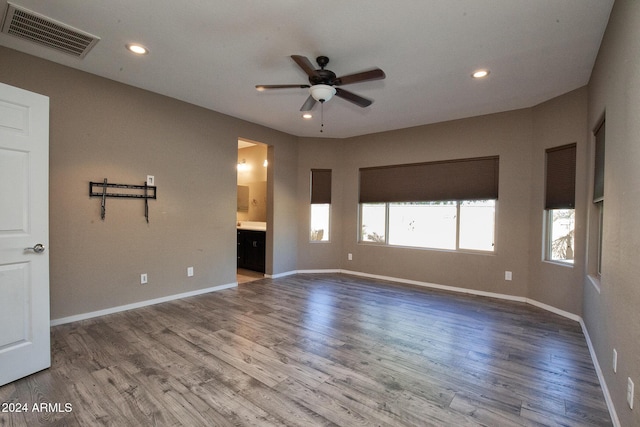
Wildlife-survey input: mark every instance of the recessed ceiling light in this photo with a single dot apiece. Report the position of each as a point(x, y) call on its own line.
point(307, 116)
point(480, 74)
point(138, 49)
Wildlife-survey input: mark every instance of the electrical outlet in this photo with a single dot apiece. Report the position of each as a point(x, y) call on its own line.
point(508, 275)
point(630, 387)
point(143, 278)
point(350, 257)
point(189, 271)
point(615, 361)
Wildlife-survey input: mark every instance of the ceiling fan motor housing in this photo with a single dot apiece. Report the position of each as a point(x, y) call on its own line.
point(323, 77)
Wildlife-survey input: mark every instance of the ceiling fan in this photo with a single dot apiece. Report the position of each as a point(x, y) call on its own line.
point(323, 83)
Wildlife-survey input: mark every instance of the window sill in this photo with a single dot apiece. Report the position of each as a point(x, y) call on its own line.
point(418, 248)
point(595, 282)
point(559, 263)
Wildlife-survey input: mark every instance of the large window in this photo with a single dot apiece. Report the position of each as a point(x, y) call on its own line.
point(560, 203)
point(441, 205)
point(452, 225)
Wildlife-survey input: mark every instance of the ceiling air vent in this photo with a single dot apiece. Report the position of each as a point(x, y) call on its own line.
point(40, 29)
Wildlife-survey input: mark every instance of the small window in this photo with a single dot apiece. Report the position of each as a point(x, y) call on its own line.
point(560, 202)
point(320, 222)
point(320, 205)
point(561, 224)
point(598, 194)
point(600, 208)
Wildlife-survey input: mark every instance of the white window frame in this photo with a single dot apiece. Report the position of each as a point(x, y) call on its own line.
point(548, 237)
point(328, 230)
point(458, 204)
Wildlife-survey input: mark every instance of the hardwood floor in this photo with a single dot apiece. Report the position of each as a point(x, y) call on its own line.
point(245, 276)
point(317, 350)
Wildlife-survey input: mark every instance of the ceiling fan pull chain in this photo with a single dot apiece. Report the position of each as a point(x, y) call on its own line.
point(321, 115)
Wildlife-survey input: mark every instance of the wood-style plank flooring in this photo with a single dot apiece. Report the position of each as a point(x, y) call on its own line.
point(317, 350)
point(245, 276)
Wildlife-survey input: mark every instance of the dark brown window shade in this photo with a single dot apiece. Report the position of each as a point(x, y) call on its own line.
point(320, 186)
point(463, 179)
point(561, 177)
point(598, 172)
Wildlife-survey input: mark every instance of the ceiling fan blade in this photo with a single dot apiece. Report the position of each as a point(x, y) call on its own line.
point(308, 104)
point(306, 65)
point(352, 97)
point(375, 74)
point(263, 87)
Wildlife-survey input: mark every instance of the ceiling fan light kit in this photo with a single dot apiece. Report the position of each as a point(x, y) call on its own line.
point(322, 93)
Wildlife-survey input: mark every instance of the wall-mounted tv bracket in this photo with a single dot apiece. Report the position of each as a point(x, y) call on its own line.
point(99, 189)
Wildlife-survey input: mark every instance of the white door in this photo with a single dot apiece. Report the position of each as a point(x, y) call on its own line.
point(24, 223)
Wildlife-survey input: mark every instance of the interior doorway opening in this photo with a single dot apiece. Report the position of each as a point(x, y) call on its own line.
point(251, 214)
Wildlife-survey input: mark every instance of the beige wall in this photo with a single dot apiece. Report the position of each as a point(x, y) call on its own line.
point(320, 153)
point(255, 177)
point(507, 135)
point(612, 314)
point(104, 129)
point(560, 121)
point(520, 139)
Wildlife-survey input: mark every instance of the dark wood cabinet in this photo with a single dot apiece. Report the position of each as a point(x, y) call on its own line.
point(251, 250)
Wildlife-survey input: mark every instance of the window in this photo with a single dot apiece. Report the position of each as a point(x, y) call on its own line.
point(320, 222)
point(598, 190)
point(320, 205)
point(423, 224)
point(451, 225)
point(560, 202)
point(600, 216)
point(561, 229)
point(441, 205)
point(477, 225)
point(373, 220)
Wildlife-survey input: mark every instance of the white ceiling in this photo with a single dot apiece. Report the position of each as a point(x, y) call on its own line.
point(212, 53)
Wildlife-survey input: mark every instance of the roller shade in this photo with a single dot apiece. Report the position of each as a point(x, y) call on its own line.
point(561, 177)
point(320, 186)
point(598, 171)
point(462, 179)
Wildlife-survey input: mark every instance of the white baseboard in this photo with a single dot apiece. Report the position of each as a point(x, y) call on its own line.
point(111, 310)
point(437, 286)
point(553, 309)
point(320, 271)
point(278, 275)
point(603, 384)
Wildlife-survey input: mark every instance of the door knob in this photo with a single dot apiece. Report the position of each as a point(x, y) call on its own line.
point(38, 248)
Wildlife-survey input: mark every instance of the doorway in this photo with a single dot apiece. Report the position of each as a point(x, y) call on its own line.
point(251, 214)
